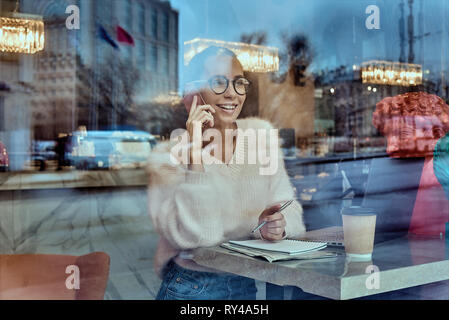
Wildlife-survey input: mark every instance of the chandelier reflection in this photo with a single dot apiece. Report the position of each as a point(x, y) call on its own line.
point(172, 98)
point(20, 33)
point(391, 73)
point(254, 58)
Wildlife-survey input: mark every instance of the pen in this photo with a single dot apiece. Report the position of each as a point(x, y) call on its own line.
point(285, 205)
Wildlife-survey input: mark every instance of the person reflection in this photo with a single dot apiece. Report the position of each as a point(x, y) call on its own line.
point(412, 123)
point(4, 158)
point(441, 163)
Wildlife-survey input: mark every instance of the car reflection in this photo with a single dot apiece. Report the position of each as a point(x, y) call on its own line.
point(97, 150)
point(397, 188)
point(324, 185)
point(43, 155)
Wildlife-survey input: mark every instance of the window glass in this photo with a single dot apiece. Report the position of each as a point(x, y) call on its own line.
point(164, 60)
point(140, 48)
point(153, 56)
point(165, 27)
point(127, 14)
point(357, 91)
point(154, 23)
point(141, 19)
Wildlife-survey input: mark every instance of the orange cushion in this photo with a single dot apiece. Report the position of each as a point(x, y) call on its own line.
point(94, 273)
point(43, 276)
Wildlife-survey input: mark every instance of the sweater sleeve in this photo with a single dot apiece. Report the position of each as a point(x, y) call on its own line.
point(282, 190)
point(190, 213)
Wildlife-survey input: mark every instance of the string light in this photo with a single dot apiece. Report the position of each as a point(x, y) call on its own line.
point(254, 58)
point(391, 73)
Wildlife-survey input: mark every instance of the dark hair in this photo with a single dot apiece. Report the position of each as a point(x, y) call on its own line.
point(195, 67)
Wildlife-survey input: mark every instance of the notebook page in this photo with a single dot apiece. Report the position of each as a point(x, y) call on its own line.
point(287, 246)
point(272, 256)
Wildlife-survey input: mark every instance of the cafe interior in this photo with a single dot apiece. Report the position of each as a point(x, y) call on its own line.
point(357, 89)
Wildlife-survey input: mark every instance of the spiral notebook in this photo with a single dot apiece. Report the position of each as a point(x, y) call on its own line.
point(284, 246)
point(280, 251)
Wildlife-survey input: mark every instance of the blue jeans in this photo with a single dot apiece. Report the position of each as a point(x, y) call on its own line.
point(182, 284)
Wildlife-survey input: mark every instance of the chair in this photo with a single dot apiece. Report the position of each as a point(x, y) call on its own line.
point(43, 276)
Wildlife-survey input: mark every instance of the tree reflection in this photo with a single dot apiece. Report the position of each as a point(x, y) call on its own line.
point(295, 57)
point(107, 95)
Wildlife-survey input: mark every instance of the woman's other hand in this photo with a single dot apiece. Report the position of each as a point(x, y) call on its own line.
point(274, 229)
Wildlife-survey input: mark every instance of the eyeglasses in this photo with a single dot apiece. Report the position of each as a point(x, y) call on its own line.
point(219, 84)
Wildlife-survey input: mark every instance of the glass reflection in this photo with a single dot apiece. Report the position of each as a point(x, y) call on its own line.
point(346, 92)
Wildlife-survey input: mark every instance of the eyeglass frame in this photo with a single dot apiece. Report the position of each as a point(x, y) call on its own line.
point(227, 84)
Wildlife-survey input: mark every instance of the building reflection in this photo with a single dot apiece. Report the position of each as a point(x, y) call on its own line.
point(54, 74)
point(84, 77)
point(102, 77)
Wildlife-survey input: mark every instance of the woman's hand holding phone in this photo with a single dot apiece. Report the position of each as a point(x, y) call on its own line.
point(199, 116)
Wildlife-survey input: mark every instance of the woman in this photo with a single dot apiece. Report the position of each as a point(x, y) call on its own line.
point(201, 204)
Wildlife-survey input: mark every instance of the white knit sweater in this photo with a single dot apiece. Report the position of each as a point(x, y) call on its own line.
point(192, 209)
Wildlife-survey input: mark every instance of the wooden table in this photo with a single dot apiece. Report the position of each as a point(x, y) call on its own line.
point(397, 264)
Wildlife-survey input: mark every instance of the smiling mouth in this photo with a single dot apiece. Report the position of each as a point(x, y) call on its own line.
point(227, 107)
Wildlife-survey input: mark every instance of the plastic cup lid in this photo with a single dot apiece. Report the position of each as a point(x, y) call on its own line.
point(358, 211)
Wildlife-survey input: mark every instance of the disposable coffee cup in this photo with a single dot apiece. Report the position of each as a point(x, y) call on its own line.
point(359, 224)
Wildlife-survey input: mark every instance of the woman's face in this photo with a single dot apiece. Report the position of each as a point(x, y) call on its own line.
point(227, 105)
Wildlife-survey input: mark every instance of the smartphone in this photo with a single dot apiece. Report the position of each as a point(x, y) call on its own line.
point(188, 100)
point(192, 89)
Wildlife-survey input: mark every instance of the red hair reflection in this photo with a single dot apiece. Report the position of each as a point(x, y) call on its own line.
point(412, 123)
